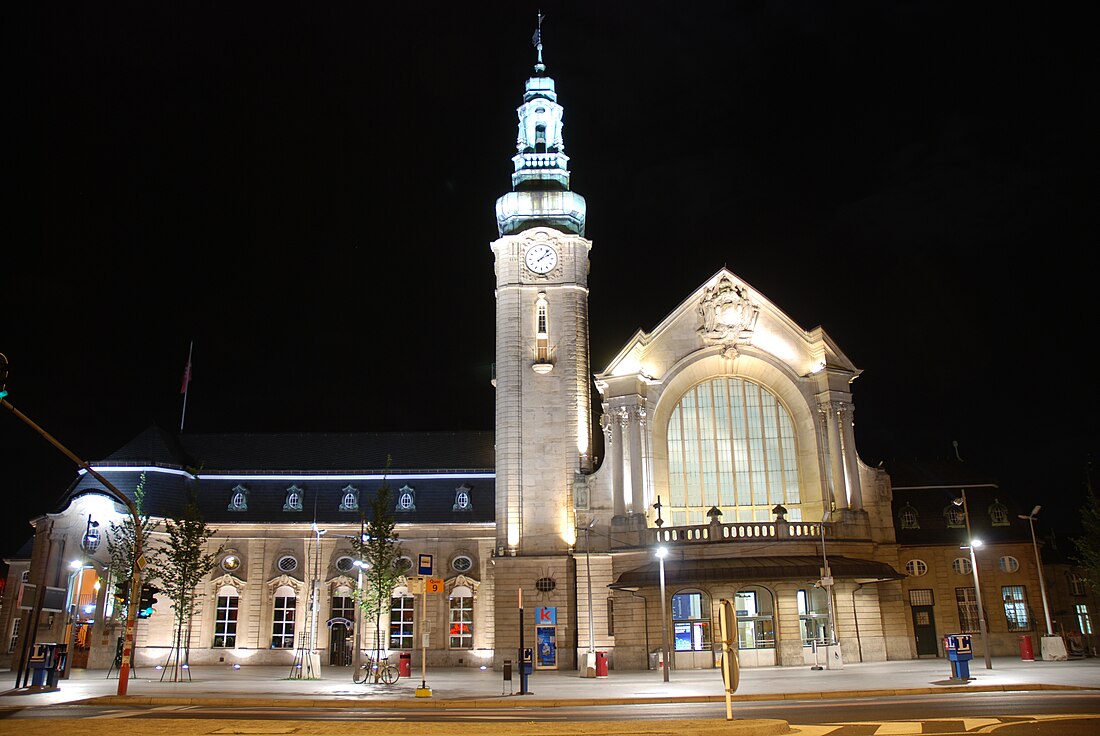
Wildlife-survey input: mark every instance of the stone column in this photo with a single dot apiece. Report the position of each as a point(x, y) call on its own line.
point(835, 453)
point(637, 461)
point(851, 459)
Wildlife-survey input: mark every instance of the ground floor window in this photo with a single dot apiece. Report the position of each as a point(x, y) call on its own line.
point(967, 603)
point(282, 631)
point(691, 621)
point(225, 618)
point(755, 621)
point(1083, 621)
point(1015, 599)
point(813, 615)
point(461, 631)
point(402, 619)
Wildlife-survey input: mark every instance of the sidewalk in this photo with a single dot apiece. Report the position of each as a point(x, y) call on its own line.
point(467, 687)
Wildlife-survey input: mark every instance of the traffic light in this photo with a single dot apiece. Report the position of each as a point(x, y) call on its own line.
point(147, 600)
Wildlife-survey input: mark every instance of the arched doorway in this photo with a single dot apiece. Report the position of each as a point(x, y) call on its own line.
point(340, 627)
point(692, 636)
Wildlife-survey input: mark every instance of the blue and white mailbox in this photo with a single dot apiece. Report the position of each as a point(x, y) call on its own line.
point(959, 652)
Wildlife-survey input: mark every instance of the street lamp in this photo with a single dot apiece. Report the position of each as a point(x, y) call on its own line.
point(827, 585)
point(361, 566)
point(588, 572)
point(662, 553)
point(974, 543)
point(316, 597)
point(1039, 566)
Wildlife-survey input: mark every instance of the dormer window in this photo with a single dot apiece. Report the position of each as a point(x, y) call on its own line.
point(955, 517)
point(239, 500)
point(293, 499)
point(462, 499)
point(406, 499)
point(998, 513)
point(908, 517)
point(350, 500)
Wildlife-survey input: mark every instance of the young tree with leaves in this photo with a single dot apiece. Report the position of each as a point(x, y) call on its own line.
point(120, 545)
point(180, 565)
point(380, 548)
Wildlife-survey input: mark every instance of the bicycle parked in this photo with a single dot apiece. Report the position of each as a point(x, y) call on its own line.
point(374, 672)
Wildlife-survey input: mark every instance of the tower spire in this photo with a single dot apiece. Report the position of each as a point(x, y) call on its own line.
point(536, 41)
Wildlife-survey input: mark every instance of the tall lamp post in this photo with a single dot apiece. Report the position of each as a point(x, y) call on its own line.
point(827, 586)
point(971, 545)
point(588, 573)
point(357, 658)
point(1039, 567)
point(662, 553)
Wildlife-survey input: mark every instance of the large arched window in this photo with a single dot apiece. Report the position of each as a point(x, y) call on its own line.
point(225, 618)
point(755, 618)
point(282, 628)
point(731, 444)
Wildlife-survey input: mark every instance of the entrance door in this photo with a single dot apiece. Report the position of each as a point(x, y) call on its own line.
point(339, 648)
point(924, 627)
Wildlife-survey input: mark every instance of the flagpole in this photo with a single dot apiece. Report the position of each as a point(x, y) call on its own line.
point(186, 384)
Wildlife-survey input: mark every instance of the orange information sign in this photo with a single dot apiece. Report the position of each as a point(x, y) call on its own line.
point(433, 585)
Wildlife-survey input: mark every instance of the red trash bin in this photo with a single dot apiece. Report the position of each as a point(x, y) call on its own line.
point(1027, 654)
point(601, 664)
point(404, 664)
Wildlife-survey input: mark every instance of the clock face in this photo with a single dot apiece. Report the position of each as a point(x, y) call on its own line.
point(541, 258)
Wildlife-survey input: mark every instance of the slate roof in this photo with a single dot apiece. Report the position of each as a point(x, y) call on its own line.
point(213, 466)
point(928, 488)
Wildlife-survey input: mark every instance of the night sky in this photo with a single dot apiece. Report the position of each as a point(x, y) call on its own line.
point(306, 191)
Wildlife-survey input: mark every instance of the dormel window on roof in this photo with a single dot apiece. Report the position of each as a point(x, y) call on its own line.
point(239, 500)
point(909, 517)
point(406, 499)
point(998, 513)
point(293, 499)
point(349, 501)
point(462, 499)
point(955, 517)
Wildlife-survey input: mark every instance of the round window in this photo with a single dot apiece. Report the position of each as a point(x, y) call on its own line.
point(345, 564)
point(401, 564)
point(545, 585)
point(916, 568)
point(1008, 564)
point(961, 565)
point(231, 563)
point(288, 563)
point(461, 563)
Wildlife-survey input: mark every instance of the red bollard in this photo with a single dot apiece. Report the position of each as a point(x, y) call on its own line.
point(1027, 654)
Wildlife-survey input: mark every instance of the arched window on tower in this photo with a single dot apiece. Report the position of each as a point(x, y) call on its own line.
point(542, 335)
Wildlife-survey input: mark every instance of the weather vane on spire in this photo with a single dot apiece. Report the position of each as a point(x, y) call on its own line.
point(536, 41)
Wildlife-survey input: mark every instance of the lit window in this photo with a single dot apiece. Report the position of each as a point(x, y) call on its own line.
point(350, 500)
point(813, 616)
point(955, 517)
point(916, 568)
point(282, 628)
point(461, 631)
point(542, 340)
point(288, 563)
point(1008, 563)
point(461, 563)
point(239, 500)
point(293, 499)
point(1015, 599)
point(731, 445)
point(909, 517)
point(691, 621)
point(967, 604)
point(962, 566)
point(225, 618)
point(1083, 620)
point(402, 621)
point(998, 513)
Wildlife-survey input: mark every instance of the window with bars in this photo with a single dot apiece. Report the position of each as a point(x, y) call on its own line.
point(402, 621)
point(967, 603)
point(461, 623)
point(225, 619)
point(282, 630)
point(1015, 599)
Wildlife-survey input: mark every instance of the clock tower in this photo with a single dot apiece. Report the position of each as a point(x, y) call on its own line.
point(543, 377)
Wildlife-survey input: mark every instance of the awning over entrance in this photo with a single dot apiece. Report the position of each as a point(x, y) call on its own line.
point(754, 569)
